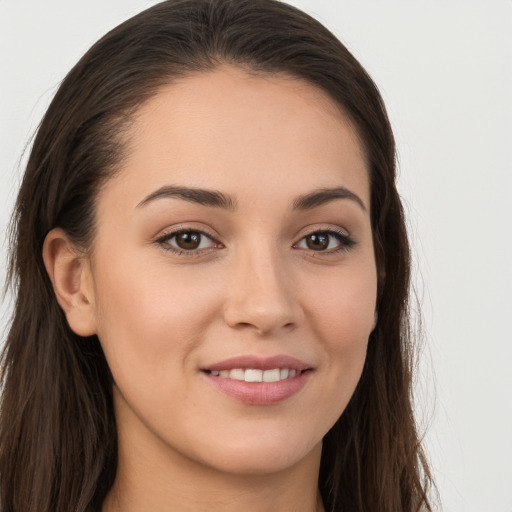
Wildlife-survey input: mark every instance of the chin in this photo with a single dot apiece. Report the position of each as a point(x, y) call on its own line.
point(266, 455)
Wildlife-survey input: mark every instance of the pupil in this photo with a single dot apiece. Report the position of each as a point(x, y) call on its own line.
point(318, 242)
point(188, 240)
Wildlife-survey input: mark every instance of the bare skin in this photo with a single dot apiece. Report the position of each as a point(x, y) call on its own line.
point(278, 269)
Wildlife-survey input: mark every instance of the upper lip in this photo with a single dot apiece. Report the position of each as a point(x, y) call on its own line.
point(259, 363)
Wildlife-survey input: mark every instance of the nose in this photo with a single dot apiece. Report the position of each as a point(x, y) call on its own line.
point(261, 295)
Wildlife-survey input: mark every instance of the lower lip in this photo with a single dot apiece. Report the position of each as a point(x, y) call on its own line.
point(260, 393)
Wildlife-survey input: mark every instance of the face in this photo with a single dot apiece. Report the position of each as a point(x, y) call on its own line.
point(232, 276)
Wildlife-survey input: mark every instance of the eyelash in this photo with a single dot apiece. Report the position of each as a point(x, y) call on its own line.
point(164, 242)
point(346, 242)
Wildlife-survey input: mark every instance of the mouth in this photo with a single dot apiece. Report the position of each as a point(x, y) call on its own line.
point(257, 375)
point(254, 380)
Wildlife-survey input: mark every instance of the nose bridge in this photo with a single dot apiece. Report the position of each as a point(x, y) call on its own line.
point(261, 294)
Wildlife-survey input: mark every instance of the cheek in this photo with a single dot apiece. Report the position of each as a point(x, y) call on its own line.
point(150, 322)
point(344, 319)
point(344, 306)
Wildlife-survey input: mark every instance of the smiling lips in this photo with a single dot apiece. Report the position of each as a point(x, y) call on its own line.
point(256, 375)
point(259, 381)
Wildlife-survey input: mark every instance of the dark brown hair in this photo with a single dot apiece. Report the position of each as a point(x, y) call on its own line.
point(58, 444)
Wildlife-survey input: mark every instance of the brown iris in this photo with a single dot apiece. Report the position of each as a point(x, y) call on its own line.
point(318, 241)
point(189, 240)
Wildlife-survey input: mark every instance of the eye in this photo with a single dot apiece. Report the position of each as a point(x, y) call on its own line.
point(187, 241)
point(326, 241)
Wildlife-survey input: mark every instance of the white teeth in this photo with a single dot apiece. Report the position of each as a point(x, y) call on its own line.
point(271, 375)
point(237, 374)
point(255, 375)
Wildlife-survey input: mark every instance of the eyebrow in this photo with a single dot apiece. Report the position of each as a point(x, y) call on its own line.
point(216, 199)
point(325, 195)
point(194, 195)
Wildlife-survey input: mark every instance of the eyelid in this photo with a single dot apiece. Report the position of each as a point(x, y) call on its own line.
point(346, 240)
point(163, 237)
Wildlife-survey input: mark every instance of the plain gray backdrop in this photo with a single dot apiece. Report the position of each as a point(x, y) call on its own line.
point(444, 68)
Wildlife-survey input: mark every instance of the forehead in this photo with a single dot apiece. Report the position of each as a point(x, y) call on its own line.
point(227, 128)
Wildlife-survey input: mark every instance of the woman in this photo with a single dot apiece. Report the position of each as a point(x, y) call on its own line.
point(211, 272)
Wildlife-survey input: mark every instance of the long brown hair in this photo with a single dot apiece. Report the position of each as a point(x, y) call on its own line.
point(58, 444)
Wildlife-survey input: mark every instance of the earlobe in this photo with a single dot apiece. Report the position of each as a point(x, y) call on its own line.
point(70, 274)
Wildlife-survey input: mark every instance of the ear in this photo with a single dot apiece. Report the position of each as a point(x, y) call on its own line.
point(70, 274)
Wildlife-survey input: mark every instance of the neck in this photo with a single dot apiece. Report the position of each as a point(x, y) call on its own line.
point(279, 492)
point(229, 498)
point(158, 481)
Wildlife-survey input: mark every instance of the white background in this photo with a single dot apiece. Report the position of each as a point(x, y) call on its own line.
point(445, 71)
